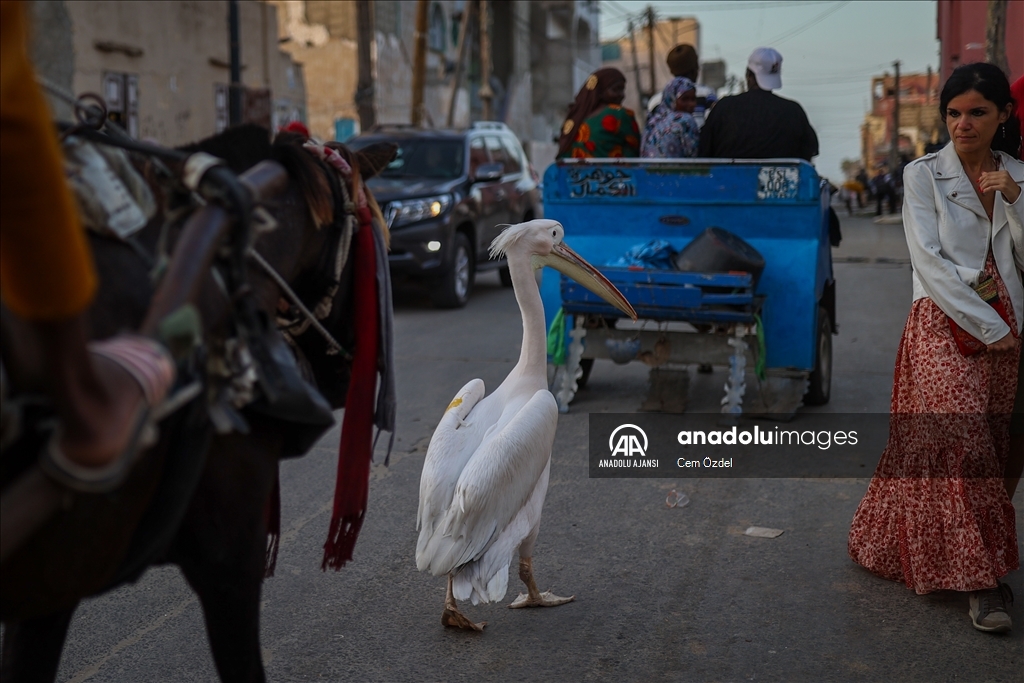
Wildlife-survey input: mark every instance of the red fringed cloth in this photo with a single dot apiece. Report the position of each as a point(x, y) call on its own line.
point(356, 449)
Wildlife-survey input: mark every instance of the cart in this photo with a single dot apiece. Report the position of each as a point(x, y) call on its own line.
point(781, 325)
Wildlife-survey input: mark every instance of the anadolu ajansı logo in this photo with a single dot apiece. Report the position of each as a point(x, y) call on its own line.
point(628, 446)
point(628, 442)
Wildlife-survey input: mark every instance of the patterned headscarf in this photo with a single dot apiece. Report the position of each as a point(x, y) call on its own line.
point(587, 100)
point(676, 87)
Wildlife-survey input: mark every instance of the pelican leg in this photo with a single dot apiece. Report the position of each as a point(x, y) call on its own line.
point(534, 598)
point(453, 617)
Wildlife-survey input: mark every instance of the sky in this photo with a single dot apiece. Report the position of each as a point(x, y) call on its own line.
point(830, 51)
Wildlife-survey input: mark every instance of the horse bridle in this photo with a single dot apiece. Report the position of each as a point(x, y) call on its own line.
point(292, 327)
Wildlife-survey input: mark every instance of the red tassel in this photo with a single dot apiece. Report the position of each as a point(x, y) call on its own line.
point(356, 448)
point(273, 519)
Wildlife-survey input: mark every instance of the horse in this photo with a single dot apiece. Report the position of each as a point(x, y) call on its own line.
point(202, 501)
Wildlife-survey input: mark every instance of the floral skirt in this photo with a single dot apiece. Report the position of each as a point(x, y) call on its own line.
point(936, 515)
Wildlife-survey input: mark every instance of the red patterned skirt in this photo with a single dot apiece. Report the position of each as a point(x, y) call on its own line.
point(936, 514)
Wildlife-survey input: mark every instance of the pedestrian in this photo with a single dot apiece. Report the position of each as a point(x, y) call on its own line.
point(865, 185)
point(936, 514)
point(597, 125)
point(758, 124)
point(881, 187)
point(682, 61)
point(671, 131)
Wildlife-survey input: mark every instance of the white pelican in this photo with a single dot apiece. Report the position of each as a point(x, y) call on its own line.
point(486, 470)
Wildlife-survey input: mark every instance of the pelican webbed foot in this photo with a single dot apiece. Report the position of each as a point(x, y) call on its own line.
point(453, 617)
point(533, 597)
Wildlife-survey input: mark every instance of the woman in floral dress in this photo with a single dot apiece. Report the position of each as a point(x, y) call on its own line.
point(671, 131)
point(936, 514)
point(597, 124)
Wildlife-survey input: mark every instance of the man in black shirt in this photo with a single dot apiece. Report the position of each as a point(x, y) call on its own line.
point(757, 124)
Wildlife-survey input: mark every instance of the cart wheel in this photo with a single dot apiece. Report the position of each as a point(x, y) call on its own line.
point(820, 389)
point(586, 364)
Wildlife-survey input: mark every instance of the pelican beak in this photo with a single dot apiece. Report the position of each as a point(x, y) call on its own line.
point(569, 263)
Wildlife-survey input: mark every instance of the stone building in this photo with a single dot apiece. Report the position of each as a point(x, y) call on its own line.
point(162, 67)
point(541, 53)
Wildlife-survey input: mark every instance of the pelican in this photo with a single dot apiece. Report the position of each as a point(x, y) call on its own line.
point(486, 471)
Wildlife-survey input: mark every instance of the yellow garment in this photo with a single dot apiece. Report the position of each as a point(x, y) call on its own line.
point(46, 269)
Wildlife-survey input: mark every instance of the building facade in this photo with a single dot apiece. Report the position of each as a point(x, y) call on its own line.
point(961, 34)
point(541, 54)
point(163, 67)
point(919, 120)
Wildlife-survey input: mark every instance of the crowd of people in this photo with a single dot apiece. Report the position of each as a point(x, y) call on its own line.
point(686, 119)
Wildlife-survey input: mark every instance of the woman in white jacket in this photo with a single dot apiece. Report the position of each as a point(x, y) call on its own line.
point(936, 514)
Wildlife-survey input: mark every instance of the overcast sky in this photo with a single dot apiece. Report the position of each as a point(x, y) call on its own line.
point(830, 50)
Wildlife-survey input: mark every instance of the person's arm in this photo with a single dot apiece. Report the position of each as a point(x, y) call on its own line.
point(1008, 193)
point(809, 144)
point(940, 278)
point(706, 144)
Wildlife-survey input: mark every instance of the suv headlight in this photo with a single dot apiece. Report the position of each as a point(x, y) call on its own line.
point(408, 211)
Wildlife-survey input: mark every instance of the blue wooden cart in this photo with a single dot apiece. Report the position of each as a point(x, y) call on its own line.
point(782, 326)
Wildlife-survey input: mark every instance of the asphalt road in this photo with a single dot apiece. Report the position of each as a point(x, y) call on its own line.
point(661, 594)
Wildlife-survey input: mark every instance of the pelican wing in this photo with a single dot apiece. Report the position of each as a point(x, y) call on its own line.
point(493, 487)
point(450, 449)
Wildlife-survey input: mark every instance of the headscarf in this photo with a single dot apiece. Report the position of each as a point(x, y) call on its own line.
point(587, 100)
point(676, 87)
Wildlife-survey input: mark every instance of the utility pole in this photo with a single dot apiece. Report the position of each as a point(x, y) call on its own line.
point(419, 64)
point(995, 35)
point(650, 52)
point(486, 94)
point(364, 86)
point(235, 90)
point(636, 67)
point(467, 13)
point(894, 151)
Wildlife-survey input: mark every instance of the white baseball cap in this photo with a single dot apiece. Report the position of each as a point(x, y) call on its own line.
point(766, 65)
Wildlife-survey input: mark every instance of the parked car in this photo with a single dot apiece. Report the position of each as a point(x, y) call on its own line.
point(445, 196)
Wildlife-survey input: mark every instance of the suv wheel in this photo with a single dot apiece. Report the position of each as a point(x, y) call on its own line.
point(452, 291)
point(505, 277)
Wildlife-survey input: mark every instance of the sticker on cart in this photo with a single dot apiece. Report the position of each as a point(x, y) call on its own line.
point(599, 182)
point(777, 182)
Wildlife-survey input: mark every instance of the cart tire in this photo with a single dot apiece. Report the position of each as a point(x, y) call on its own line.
point(586, 364)
point(820, 388)
point(504, 276)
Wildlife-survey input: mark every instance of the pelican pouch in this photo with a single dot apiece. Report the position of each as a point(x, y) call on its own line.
point(965, 342)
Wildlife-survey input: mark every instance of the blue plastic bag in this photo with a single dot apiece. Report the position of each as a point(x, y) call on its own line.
point(654, 255)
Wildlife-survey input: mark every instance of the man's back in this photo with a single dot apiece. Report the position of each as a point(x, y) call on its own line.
point(758, 125)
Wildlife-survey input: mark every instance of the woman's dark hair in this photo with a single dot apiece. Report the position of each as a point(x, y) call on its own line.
point(991, 82)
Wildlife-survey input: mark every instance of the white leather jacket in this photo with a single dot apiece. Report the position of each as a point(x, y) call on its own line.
point(949, 234)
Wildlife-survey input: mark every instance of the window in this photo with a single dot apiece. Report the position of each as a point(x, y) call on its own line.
point(441, 159)
point(436, 38)
point(514, 163)
point(477, 155)
point(121, 91)
point(498, 152)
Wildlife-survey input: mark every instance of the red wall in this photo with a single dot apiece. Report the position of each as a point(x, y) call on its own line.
point(961, 33)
